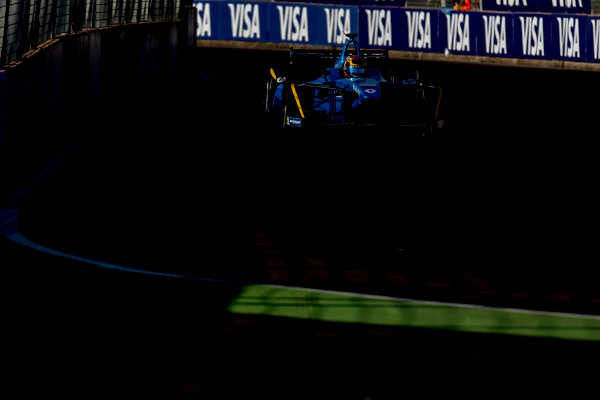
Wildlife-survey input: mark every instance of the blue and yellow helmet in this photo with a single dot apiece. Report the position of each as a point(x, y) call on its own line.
point(355, 66)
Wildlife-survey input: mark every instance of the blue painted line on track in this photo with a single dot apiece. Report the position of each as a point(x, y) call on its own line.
point(9, 229)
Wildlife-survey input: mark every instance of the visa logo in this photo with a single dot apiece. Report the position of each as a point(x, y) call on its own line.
point(338, 24)
point(567, 3)
point(596, 37)
point(203, 25)
point(532, 36)
point(293, 23)
point(568, 37)
point(245, 20)
point(511, 3)
point(458, 32)
point(494, 27)
point(379, 27)
point(419, 29)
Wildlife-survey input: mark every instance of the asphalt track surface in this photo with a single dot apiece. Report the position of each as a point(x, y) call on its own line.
point(186, 179)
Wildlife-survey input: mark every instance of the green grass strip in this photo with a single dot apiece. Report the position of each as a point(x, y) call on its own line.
point(333, 306)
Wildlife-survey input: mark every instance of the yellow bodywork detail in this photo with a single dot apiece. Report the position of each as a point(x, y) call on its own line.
point(273, 73)
point(297, 100)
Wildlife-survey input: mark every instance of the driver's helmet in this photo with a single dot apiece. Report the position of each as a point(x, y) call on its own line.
point(355, 66)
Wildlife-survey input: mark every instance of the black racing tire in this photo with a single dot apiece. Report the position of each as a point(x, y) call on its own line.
point(284, 107)
point(272, 113)
point(269, 94)
point(284, 117)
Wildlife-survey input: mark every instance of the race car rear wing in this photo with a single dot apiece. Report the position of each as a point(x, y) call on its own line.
point(316, 56)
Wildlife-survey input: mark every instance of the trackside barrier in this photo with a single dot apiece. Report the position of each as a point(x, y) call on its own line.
point(534, 35)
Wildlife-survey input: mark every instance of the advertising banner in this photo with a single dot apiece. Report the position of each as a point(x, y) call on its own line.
point(547, 6)
point(419, 30)
point(231, 21)
point(532, 35)
point(206, 13)
point(380, 27)
point(495, 34)
point(568, 33)
point(592, 35)
point(372, 3)
point(455, 33)
point(275, 22)
point(312, 24)
point(511, 5)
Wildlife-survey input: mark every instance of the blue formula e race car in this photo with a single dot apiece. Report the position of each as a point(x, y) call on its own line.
point(354, 93)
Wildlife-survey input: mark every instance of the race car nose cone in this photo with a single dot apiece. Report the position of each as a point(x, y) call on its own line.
point(366, 89)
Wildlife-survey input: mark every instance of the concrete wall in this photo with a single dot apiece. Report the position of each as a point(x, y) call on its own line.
point(57, 93)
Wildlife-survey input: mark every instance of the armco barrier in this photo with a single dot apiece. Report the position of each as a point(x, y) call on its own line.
point(565, 37)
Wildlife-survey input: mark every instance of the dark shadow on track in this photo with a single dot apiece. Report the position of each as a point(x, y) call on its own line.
point(509, 191)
